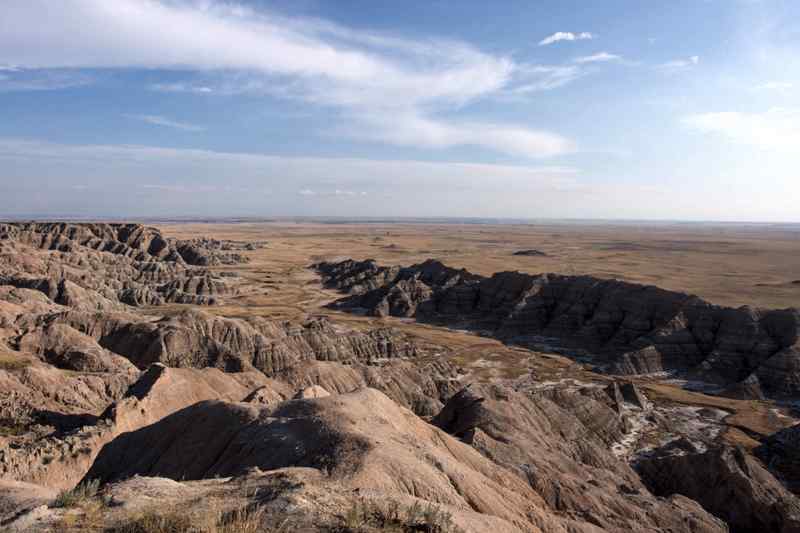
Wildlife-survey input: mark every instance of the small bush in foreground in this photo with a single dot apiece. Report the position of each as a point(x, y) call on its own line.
point(246, 520)
point(153, 521)
point(368, 517)
point(78, 495)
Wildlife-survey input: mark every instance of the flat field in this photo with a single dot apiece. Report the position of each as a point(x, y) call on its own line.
point(757, 265)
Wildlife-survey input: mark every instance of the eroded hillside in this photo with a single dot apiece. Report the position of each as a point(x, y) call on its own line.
point(142, 379)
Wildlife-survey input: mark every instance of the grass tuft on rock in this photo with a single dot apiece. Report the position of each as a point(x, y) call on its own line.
point(78, 495)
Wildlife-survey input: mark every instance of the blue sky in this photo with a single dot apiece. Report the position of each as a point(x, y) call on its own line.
point(684, 109)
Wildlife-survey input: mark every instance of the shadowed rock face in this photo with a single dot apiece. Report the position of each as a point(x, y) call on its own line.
point(781, 452)
point(633, 328)
point(728, 483)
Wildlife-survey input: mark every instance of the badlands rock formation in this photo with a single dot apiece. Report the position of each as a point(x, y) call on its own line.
point(367, 444)
point(781, 452)
point(631, 328)
point(729, 483)
point(310, 425)
point(98, 267)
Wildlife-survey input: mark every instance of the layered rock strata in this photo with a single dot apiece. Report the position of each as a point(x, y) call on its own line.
point(627, 327)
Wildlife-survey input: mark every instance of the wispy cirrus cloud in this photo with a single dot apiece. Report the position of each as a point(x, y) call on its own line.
point(600, 57)
point(180, 88)
point(335, 193)
point(774, 129)
point(412, 129)
point(680, 64)
point(355, 71)
point(774, 86)
point(158, 120)
point(535, 78)
point(19, 79)
point(113, 168)
point(566, 36)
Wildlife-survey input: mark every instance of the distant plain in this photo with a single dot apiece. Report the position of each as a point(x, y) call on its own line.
point(725, 264)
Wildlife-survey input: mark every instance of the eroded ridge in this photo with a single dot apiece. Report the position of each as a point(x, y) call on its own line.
point(626, 328)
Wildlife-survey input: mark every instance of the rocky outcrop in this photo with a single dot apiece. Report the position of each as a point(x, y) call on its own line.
point(197, 339)
point(106, 266)
point(265, 395)
point(364, 442)
point(67, 348)
point(747, 389)
point(213, 252)
point(42, 399)
point(530, 253)
point(135, 241)
point(60, 459)
point(18, 498)
point(309, 393)
point(781, 453)
point(629, 328)
point(558, 442)
point(728, 483)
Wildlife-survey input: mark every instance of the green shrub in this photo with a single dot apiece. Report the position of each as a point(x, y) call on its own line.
point(367, 517)
point(78, 495)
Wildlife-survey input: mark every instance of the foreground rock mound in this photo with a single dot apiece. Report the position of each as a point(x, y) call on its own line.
point(728, 483)
point(60, 459)
point(364, 442)
point(631, 328)
point(558, 442)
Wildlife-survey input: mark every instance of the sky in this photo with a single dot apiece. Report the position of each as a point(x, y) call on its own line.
point(611, 109)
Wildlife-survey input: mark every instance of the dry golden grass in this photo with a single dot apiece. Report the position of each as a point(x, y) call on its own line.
point(366, 516)
point(78, 495)
point(210, 520)
point(727, 265)
point(13, 361)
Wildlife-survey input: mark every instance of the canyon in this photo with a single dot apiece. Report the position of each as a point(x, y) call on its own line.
point(253, 368)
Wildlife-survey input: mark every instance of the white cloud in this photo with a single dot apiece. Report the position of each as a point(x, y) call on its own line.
point(335, 193)
point(535, 78)
point(158, 120)
point(680, 64)
point(180, 88)
point(38, 180)
point(775, 129)
point(357, 72)
point(597, 58)
point(216, 35)
point(411, 129)
point(181, 188)
point(121, 162)
point(17, 79)
point(565, 36)
point(775, 86)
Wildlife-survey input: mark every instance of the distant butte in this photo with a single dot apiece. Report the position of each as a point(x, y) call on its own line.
point(629, 328)
point(531, 253)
